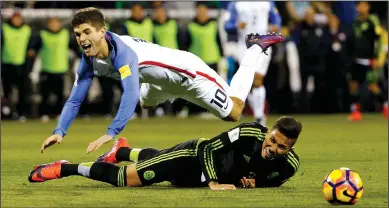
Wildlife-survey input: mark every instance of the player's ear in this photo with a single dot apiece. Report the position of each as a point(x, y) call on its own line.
point(103, 30)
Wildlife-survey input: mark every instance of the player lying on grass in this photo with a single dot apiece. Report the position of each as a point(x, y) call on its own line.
point(165, 74)
point(248, 154)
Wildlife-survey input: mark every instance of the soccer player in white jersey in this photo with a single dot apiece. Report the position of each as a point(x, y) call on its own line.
point(254, 17)
point(165, 74)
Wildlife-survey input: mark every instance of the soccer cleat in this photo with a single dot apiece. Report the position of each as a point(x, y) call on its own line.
point(355, 116)
point(264, 41)
point(46, 172)
point(111, 155)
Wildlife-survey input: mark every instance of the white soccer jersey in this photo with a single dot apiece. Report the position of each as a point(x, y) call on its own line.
point(167, 74)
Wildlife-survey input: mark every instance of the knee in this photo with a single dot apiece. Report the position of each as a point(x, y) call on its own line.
point(258, 80)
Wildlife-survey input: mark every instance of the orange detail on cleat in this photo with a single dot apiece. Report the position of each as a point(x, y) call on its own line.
point(355, 116)
point(46, 172)
point(110, 156)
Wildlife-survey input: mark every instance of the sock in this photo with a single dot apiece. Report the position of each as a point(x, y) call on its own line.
point(134, 154)
point(99, 171)
point(243, 79)
point(69, 169)
point(82, 169)
point(258, 102)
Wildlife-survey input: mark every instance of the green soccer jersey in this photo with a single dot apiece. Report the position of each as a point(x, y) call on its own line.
point(237, 153)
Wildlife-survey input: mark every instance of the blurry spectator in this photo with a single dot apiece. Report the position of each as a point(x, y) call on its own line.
point(367, 32)
point(346, 12)
point(15, 37)
point(338, 61)
point(297, 9)
point(53, 46)
point(166, 31)
point(378, 79)
point(203, 40)
point(138, 25)
point(313, 44)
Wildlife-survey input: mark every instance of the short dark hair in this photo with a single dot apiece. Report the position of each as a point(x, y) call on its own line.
point(89, 15)
point(288, 126)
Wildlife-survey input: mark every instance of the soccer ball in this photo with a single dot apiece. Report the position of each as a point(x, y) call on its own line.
point(342, 186)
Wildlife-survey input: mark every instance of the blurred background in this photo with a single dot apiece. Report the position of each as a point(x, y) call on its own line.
point(310, 73)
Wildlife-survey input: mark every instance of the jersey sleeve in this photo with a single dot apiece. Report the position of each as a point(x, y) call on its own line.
point(286, 170)
point(274, 15)
point(241, 137)
point(80, 88)
point(126, 62)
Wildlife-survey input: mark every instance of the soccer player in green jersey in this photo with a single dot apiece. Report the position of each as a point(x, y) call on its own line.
point(248, 155)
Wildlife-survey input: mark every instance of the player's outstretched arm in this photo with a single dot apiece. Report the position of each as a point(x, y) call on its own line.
point(69, 111)
point(126, 62)
point(207, 150)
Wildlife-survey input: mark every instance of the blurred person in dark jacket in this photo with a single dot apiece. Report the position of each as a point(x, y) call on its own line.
point(313, 44)
point(338, 63)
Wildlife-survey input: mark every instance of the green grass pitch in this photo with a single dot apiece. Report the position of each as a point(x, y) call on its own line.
point(326, 142)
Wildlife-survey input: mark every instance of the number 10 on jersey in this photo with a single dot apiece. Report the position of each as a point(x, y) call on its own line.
point(220, 99)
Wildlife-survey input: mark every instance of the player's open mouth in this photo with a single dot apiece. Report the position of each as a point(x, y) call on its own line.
point(86, 47)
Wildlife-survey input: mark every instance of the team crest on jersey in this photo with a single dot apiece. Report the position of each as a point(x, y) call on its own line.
point(148, 175)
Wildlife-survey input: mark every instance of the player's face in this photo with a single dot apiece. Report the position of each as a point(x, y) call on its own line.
point(54, 25)
point(160, 14)
point(89, 38)
point(137, 12)
point(363, 8)
point(17, 20)
point(276, 144)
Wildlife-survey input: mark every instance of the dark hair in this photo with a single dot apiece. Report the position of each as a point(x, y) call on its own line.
point(288, 126)
point(89, 15)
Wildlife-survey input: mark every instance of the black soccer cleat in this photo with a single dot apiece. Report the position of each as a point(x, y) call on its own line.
point(264, 41)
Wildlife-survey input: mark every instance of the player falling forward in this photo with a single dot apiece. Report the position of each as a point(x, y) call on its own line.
point(165, 74)
point(248, 154)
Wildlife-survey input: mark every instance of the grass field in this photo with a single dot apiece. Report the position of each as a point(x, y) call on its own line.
point(326, 142)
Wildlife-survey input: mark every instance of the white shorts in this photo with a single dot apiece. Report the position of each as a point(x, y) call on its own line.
point(206, 89)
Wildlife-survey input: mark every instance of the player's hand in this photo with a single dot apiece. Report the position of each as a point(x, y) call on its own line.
point(216, 186)
point(97, 144)
point(53, 139)
point(247, 182)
